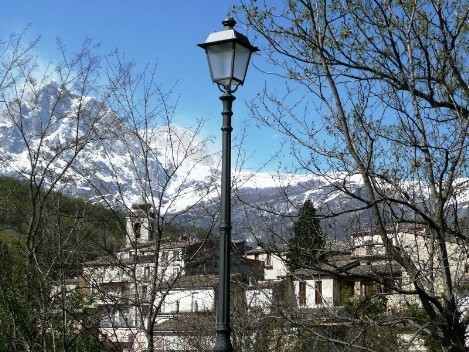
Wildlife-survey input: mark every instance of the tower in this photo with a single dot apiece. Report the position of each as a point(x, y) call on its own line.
point(140, 223)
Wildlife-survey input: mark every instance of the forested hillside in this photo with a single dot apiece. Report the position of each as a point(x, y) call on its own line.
point(40, 250)
point(89, 230)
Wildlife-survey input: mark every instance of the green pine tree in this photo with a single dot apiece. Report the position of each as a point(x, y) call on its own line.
point(305, 247)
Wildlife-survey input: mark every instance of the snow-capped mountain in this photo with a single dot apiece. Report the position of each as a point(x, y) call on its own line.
point(80, 146)
point(84, 149)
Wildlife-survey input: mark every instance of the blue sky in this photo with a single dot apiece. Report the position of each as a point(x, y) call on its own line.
point(148, 31)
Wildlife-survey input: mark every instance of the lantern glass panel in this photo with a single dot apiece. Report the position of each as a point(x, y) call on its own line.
point(242, 55)
point(220, 59)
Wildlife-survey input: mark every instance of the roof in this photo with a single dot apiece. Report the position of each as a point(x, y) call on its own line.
point(149, 247)
point(187, 323)
point(165, 243)
point(376, 269)
point(335, 266)
point(282, 248)
point(400, 228)
point(253, 262)
point(349, 265)
point(266, 284)
point(105, 260)
point(194, 282)
point(269, 248)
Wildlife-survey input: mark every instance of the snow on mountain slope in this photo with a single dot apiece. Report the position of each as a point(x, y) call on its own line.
point(54, 132)
point(78, 145)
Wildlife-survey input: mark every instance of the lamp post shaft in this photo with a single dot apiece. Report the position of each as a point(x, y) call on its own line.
point(223, 342)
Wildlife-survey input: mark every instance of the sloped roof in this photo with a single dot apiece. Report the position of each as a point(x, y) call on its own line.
point(195, 281)
point(282, 248)
point(187, 323)
point(269, 248)
point(401, 228)
point(335, 265)
point(376, 269)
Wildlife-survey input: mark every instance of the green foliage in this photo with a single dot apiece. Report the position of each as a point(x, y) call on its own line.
point(306, 245)
point(419, 315)
point(44, 239)
point(370, 312)
point(23, 294)
point(371, 305)
point(270, 334)
point(14, 203)
point(83, 230)
point(17, 305)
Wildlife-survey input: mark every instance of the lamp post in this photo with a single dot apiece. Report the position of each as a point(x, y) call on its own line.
point(228, 54)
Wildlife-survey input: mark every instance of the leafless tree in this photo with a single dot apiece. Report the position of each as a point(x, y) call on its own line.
point(173, 208)
point(378, 90)
point(36, 102)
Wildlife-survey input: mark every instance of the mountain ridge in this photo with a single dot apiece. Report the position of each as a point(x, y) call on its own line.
point(79, 145)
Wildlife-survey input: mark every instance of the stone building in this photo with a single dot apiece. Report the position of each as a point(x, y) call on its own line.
point(171, 284)
point(161, 282)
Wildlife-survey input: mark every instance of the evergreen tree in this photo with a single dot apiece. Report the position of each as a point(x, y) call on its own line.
point(305, 247)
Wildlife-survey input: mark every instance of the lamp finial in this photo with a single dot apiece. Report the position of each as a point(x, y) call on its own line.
point(229, 23)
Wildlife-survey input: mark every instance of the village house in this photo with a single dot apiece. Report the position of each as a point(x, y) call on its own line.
point(273, 258)
point(417, 243)
point(174, 283)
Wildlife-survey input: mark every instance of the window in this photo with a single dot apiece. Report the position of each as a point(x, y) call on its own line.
point(369, 247)
point(195, 303)
point(177, 255)
point(152, 232)
point(175, 271)
point(302, 294)
point(146, 272)
point(144, 291)
point(318, 293)
point(114, 315)
point(137, 229)
point(268, 260)
point(132, 255)
point(367, 288)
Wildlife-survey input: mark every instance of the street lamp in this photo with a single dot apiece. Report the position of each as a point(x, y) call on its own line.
point(228, 54)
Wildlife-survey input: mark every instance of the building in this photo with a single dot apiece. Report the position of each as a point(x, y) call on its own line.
point(154, 287)
point(164, 290)
point(273, 258)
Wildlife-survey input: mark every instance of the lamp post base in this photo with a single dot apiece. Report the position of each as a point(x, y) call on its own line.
point(223, 342)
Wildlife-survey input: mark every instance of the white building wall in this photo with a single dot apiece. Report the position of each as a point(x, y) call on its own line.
point(168, 342)
point(274, 265)
point(189, 300)
point(171, 263)
point(368, 244)
point(259, 298)
point(277, 268)
point(327, 293)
